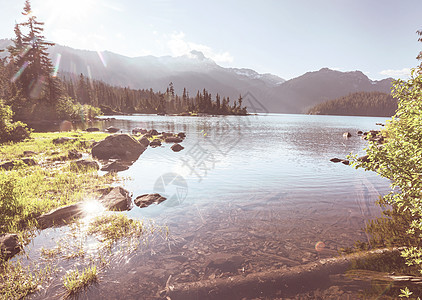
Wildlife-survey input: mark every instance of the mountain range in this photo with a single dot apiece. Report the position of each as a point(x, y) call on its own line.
point(262, 92)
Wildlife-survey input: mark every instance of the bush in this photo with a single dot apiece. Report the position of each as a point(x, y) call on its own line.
point(67, 109)
point(9, 130)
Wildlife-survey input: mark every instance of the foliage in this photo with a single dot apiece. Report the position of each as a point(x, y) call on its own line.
point(10, 131)
point(67, 109)
point(358, 104)
point(400, 160)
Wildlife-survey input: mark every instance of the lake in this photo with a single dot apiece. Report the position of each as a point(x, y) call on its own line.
point(258, 192)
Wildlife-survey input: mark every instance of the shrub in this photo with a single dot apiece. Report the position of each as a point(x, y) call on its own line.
point(9, 130)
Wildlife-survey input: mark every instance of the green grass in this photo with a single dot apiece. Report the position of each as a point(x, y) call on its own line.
point(29, 191)
point(17, 281)
point(74, 281)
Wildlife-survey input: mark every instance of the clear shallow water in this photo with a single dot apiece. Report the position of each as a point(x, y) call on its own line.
point(259, 187)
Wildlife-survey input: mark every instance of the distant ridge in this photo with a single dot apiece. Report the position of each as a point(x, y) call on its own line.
point(195, 71)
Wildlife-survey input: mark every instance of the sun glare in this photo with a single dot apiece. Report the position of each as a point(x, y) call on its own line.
point(70, 10)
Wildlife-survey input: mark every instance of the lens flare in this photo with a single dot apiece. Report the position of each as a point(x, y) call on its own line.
point(37, 88)
point(100, 55)
point(57, 65)
point(319, 246)
point(19, 72)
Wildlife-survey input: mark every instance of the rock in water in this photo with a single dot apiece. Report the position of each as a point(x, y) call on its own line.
point(148, 199)
point(144, 141)
point(118, 199)
point(61, 215)
point(335, 160)
point(347, 134)
point(112, 129)
point(117, 166)
point(120, 146)
point(177, 147)
point(84, 164)
point(173, 139)
point(92, 129)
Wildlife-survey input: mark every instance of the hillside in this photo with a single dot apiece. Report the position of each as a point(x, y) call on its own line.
point(374, 104)
point(195, 71)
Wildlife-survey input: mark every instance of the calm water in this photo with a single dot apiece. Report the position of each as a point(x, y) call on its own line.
point(258, 187)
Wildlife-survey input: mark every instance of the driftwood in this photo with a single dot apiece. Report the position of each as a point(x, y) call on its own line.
point(285, 283)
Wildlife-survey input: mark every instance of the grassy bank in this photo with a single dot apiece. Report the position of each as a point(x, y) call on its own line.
point(28, 191)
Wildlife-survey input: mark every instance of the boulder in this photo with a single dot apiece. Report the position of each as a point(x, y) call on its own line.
point(144, 141)
point(139, 130)
point(347, 134)
point(117, 199)
point(335, 160)
point(61, 215)
point(9, 245)
point(92, 129)
point(64, 139)
point(73, 154)
point(155, 143)
point(181, 135)
point(167, 134)
point(85, 164)
point(112, 129)
point(29, 153)
point(359, 132)
point(345, 162)
point(177, 147)
point(122, 146)
point(117, 166)
point(9, 165)
point(173, 139)
point(153, 132)
point(148, 199)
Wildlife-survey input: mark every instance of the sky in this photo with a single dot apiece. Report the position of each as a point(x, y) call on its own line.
point(286, 37)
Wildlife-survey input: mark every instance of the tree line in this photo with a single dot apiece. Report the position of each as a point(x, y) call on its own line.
point(374, 104)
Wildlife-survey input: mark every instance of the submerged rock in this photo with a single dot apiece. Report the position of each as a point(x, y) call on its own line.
point(225, 262)
point(9, 245)
point(177, 147)
point(92, 129)
point(173, 139)
point(120, 146)
point(112, 129)
point(148, 199)
point(117, 199)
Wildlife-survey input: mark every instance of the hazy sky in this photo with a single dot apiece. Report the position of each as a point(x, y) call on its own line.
point(285, 37)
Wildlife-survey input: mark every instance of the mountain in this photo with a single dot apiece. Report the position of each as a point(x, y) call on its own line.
point(264, 92)
point(374, 104)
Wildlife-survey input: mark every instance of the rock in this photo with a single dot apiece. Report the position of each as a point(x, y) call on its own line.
point(181, 135)
point(139, 130)
point(64, 139)
point(359, 132)
point(112, 129)
point(148, 199)
point(167, 134)
point(117, 199)
point(173, 139)
point(117, 166)
point(85, 164)
point(345, 162)
point(335, 160)
point(153, 132)
point(347, 134)
point(147, 135)
point(144, 141)
point(122, 146)
point(225, 262)
point(364, 158)
point(155, 143)
point(29, 153)
point(61, 215)
point(73, 154)
point(9, 245)
point(177, 147)
point(379, 124)
point(9, 165)
point(92, 129)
